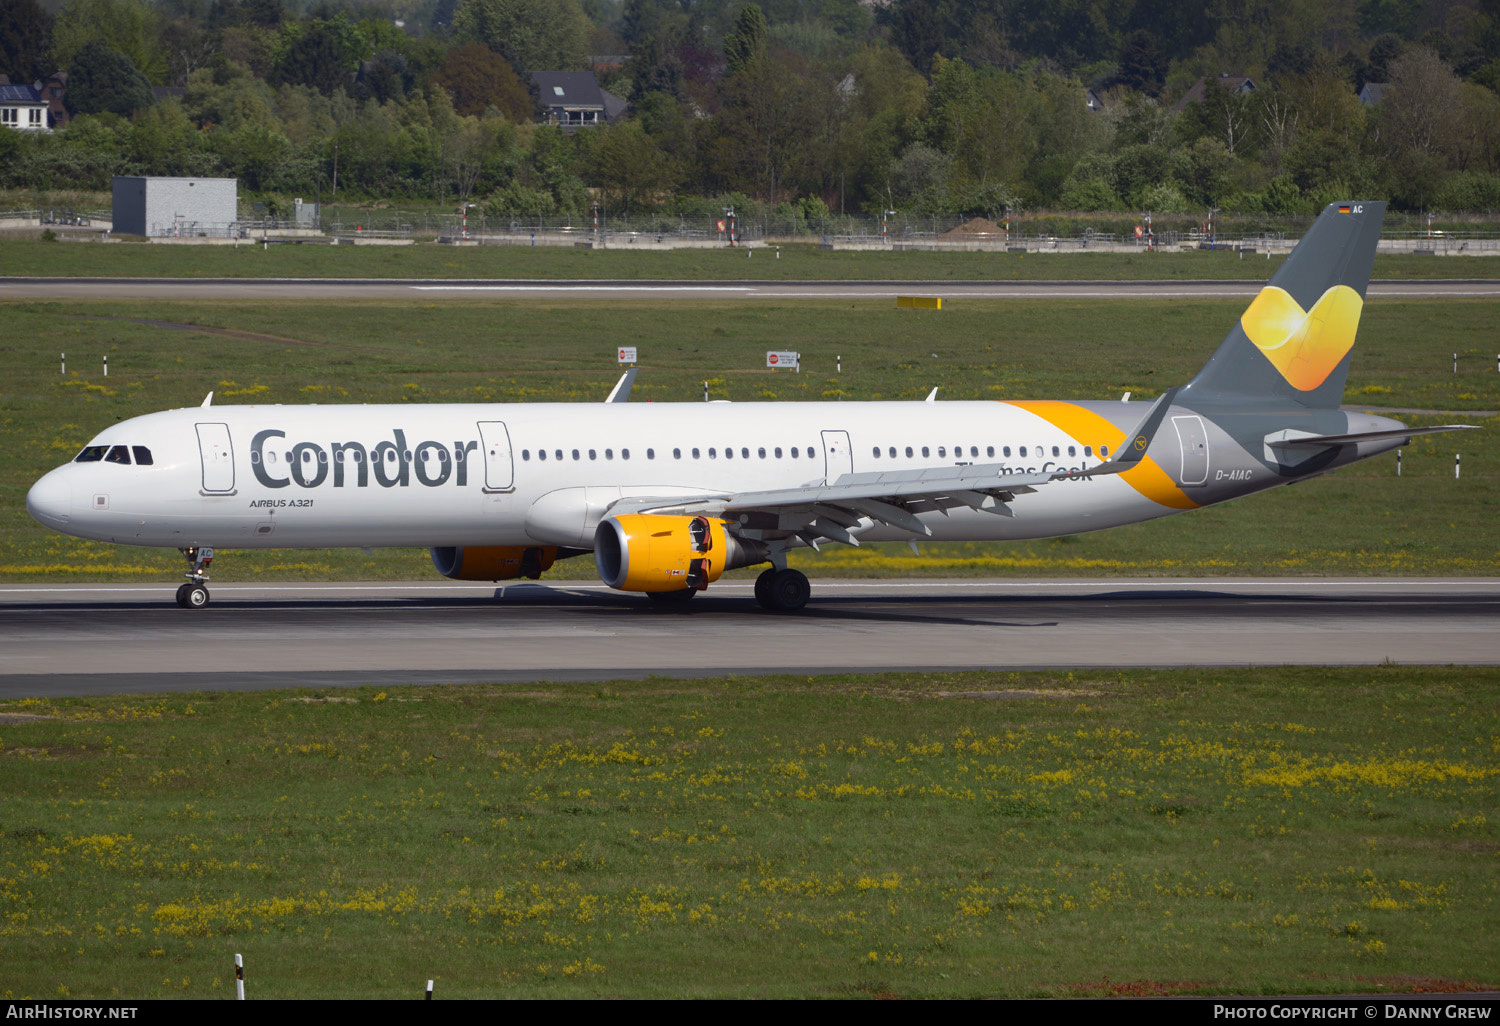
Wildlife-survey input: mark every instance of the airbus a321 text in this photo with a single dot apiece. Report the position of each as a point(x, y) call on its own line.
point(667, 497)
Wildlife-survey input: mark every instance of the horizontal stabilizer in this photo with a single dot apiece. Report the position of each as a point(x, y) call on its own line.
point(1322, 441)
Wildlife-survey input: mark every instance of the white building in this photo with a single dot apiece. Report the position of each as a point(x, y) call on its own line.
point(179, 207)
point(22, 108)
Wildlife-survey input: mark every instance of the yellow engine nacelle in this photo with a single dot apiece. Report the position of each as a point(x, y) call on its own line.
point(653, 552)
point(493, 562)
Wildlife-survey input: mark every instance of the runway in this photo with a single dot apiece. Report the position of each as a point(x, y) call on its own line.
point(428, 289)
point(116, 639)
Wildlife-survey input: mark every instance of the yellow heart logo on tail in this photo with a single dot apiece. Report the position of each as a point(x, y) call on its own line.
point(1305, 346)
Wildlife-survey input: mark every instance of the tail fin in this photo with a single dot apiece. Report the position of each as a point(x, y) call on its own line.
point(1293, 342)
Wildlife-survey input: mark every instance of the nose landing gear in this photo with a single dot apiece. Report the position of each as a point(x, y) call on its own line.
point(194, 594)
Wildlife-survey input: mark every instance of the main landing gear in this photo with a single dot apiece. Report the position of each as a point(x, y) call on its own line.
point(782, 591)
point(194, 594)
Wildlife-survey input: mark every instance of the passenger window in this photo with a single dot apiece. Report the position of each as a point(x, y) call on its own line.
point(1103, 450)
point(1072, 451)
point(745, 452)
point(677, 454)
point(117, 454)
point(989, 450)
point(525, 454)
point(794, 452)
point(1055, 452)
point(575, 454)
point(942, 451)
point(91, 454)
point(609, 454)
point(1023, 450)
point(810, 454)
point(713, 453)
point(728, 452)
point(593, 454)
point(695, 453)
point(908, 452)
point(559, 454)
point(778, 452)
point(924, 451)
point(974, 451)
point(1088, 450)
point(1006, 450)
point(761, 452)
point(541, 454)
point(891, 452)
point(142, 455)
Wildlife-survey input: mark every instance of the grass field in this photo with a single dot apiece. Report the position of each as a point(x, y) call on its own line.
point(32, 258)
point(1359, 521)
point(1298, 830)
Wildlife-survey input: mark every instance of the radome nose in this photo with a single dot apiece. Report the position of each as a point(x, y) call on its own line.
point(50, 501)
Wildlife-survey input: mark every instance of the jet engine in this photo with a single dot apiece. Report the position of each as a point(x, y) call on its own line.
point(654, 552)
point(492, 562)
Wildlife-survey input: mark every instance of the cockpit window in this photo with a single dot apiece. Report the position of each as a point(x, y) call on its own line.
point(142, 455)
point(117, 454)
point(91, 454)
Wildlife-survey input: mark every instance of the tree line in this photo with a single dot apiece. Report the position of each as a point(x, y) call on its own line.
point(802, 107)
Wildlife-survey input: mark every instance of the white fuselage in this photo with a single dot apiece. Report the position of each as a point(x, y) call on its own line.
point(526, 474)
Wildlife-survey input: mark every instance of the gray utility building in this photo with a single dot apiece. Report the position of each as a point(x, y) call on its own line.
point(176, 206)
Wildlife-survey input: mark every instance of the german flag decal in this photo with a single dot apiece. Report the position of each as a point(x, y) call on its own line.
point(1345, 208)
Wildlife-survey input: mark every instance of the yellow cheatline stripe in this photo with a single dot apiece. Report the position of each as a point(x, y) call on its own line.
point(1305, 346)
point(1088, 428)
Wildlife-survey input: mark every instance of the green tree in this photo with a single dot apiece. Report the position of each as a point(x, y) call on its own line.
point(130, 27)
point(1142, 66)
point(1419, 111)
point(746, 42)
point(1205, 173)
point(101, 78)
point(1222, 114)
point(25, 37)
point(534, 35)
point(321, 53)
point(771, 133)
point(655, 68)
point(629, 168)
point(163, 141)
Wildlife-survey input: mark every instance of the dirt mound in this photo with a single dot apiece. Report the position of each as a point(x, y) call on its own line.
point(978, 226)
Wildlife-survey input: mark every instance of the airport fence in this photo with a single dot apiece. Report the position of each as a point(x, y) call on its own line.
point(1059, 233)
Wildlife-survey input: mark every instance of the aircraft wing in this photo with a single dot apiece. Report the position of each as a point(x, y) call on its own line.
point(825, 510)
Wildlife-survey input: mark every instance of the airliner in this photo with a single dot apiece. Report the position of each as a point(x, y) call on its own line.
point(669, 496)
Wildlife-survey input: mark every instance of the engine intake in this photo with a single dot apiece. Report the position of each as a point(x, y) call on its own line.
point(654, 552)
point(493, 562)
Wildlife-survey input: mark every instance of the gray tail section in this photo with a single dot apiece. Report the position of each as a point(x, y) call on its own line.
point(1292, 344)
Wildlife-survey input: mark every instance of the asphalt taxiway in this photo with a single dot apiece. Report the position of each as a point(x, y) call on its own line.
point(470, 288)
point(115, 639)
